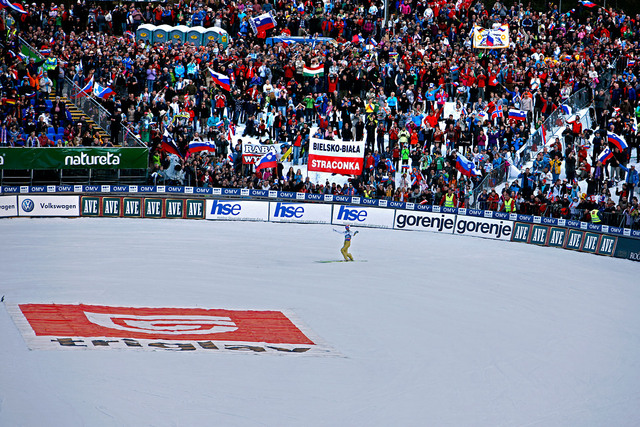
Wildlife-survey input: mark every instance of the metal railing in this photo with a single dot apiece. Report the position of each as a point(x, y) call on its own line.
point(99, 114)
point(577, 101)
point(90, 107)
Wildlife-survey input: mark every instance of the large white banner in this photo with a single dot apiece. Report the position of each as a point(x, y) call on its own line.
point(363, 217)
point(8, 206)
point(491, 38)
point(497, 229)
point(237, 210)
point(335, 156)
point(252, 149)
point(49, 205)
point(299, 212)
point(424, 221)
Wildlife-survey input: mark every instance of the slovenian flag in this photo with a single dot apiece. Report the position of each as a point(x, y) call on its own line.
point(262, 22)
point(390, 167)
point(617, 141)
point(86, 90)
point(566, 110)
point(587, 3)
point(103, 92)
point(195, 146)
point(313, 71)
point(518, 115)
point(16, 7)
point(605, 155)
point(269, 160)
point(221, 80)
point(466, 166)
point(169, 146)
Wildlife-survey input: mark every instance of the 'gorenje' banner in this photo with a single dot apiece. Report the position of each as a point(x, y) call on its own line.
point(335, 156)
point(74, 158)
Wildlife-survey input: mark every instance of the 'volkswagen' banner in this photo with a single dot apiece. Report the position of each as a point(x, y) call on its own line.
point(73, 158)
point(335, 156)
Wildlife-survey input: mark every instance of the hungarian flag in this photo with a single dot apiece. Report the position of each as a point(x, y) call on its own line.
point(313, 71)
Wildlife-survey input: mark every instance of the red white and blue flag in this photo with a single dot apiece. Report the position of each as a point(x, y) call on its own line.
point(86, 90)
point(605, 155)
point(262, 22)
point(221, 80)
point(617, 141)
point(466, 166)
point(196, 146)
point(103, 92)
point(587, 3)
point(566, 110)
point(169, 146)
point(16, 7)
point(518, 115)
point(269, 160)
point(390, 167)
point(231, 131)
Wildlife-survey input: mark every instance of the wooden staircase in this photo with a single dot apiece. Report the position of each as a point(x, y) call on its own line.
point(77, 114)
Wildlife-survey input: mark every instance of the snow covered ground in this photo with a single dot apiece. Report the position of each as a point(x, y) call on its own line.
point(434, 330)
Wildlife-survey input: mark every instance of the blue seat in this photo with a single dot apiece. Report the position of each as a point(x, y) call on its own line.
point(60, 130)
point(49, 104)
point(51, 129)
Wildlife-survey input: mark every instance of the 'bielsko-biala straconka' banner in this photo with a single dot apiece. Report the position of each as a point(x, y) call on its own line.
point(336, 156)
point(73, 158)
point(491, 38)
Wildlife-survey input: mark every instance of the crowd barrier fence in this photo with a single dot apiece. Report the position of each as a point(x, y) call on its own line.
point(272, 206)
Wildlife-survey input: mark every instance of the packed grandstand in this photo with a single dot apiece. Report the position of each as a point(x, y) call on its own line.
point(449, 103)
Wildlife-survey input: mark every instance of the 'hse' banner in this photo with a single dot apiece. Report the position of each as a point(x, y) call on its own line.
point(335, 156)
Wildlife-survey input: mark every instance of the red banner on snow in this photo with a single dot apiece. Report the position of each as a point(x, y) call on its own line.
point(168, 324)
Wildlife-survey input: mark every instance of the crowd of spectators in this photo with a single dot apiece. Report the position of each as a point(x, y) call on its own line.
point(384, 84)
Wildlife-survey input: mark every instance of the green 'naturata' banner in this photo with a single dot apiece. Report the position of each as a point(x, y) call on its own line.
point(74, 158)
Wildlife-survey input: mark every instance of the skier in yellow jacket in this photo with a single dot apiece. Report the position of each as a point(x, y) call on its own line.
point(347, 242)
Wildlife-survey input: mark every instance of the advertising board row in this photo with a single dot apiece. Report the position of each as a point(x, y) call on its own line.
point(162, 191)
point(312, 213)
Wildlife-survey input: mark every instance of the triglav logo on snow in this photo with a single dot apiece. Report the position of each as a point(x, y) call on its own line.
point(28, 205)
point(171, 325)
point(97, 327)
